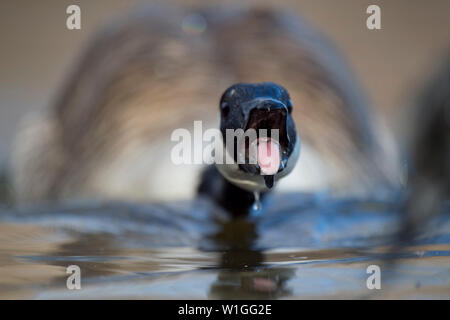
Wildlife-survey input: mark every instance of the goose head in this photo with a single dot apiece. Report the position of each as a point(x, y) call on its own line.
point(260, 140)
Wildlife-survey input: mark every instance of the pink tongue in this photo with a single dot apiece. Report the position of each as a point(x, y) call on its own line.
point(268, 157)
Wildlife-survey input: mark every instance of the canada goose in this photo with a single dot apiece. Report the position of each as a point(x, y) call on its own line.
point(267, 109)
point(160, 68)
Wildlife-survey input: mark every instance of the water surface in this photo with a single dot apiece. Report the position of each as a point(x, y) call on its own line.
point(298, 246)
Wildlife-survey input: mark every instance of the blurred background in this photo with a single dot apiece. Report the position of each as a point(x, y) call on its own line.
point(37, 49)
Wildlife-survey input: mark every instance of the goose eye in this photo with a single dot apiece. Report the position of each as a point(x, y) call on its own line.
point(225, 109)
point(289, 105)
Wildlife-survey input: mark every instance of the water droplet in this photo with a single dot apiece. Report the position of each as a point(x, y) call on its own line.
point(194, 24)
point(257, 203)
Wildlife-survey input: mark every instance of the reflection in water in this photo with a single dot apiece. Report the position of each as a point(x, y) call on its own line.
point(242, 274)
point(84, 251)
point(300, 246)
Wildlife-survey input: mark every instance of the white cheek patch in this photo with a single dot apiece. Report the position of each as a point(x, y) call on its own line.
point(309, 175)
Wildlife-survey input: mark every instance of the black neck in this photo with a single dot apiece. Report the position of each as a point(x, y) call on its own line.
point(233, 199)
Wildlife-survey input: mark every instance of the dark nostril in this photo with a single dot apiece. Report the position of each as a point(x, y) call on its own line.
point(225, 109)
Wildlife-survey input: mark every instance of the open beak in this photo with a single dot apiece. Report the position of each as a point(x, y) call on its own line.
point(268, 118)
